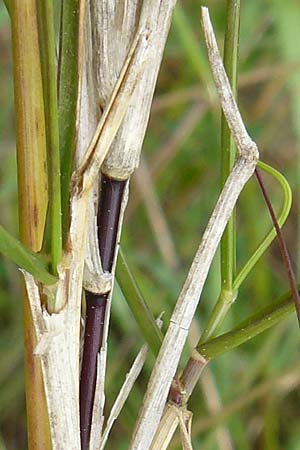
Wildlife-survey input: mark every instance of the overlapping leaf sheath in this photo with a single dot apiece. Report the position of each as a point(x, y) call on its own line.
point(113, 27)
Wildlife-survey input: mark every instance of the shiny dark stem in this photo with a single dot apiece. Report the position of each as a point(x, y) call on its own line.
point(111, 196)
point(282, 245)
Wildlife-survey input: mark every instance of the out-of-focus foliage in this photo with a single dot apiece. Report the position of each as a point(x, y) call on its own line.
point(250, 396)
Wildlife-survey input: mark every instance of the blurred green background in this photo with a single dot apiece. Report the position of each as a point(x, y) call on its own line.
point(249, 398)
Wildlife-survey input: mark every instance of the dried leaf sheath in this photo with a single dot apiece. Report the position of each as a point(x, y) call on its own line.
point(121, 20)
point(68, 296)
point(121, 23)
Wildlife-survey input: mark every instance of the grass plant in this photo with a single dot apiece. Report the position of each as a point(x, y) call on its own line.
point(82, 105)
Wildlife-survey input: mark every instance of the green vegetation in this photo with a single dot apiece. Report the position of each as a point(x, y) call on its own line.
point(182, 153)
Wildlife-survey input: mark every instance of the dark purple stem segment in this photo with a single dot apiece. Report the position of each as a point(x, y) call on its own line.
point(94, 321)
point(282, 245)
point(111, 196)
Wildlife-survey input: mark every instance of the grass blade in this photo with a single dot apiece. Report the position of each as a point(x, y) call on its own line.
point(249, 328)
point(67, 98)
point(139, 308)
point(24, 258)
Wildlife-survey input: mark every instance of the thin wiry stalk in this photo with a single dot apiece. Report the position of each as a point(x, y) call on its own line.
point(175, 337)
point(268, 239)
point(262, 320)
point(283, 247)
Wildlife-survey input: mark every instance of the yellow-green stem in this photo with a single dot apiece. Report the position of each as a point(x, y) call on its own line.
point(32, 188)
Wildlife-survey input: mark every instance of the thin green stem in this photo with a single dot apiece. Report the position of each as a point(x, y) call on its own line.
point(248, 329)
point(227, 297)
point(266, 242)
point(218, 314)
point(139, 308)
point(67, 98)
point(48, 65)
point(228, 150)
point(24, 257)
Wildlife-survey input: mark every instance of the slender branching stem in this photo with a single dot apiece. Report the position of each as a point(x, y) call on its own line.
point(268, 239)
point(221, 308)
point(219, 312)
point(262, 320)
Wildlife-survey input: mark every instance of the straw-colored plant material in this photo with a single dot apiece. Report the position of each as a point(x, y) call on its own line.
point(172, 346)
point(128, 26)
point(56, 349)
point(58, 333)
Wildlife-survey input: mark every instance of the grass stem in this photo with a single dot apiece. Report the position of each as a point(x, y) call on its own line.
point(111, 197)
point(32, 189)
point(228, 150)
point(228, 293)
point(48, 65)
point(67, 98)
